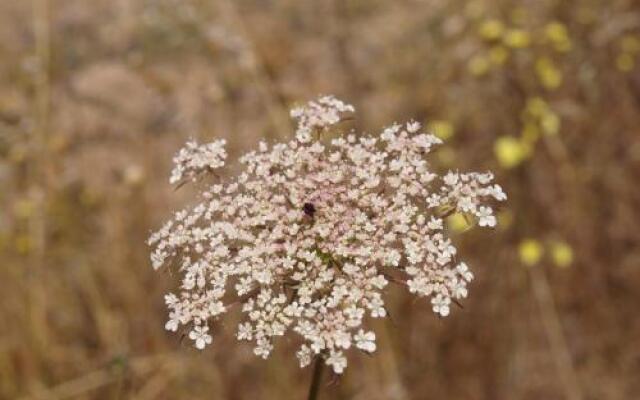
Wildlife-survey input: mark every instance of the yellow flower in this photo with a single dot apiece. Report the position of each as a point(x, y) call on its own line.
point(517, 38)
point(630, 44)
point(561, 254)
point(509, 151)
point(530, 251)
point(530, 133)
point(478, 65)
point(23, 244)
point(491, 29)
point(537, 107)
point(557, 34)
point(625, 62)
point(24, 208)
point(498, 55)
point(550, 123)
point(442, 129)
point(549, 75)
point(458, 223)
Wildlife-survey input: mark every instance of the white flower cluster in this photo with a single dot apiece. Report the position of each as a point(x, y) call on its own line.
point(318, 115)
point(306, 238)
point(194, 159)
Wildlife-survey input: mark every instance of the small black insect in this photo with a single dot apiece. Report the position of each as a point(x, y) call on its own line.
point(309, 209)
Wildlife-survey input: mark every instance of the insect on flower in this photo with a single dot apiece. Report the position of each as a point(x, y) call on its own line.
point(309, 209)
point(247, 240)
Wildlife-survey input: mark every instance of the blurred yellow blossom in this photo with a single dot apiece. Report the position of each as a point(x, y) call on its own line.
point(498, 55)
point(538, 118)
point(630, 44)
point(561, 254)
point(625, 62)
point(550, 123)
point(442, 129)
point(491, 29)
point(530, 132)
point(23, 244)
point(530, 251)
point(478, 65)
point(509, 151)
point(517, 38)
point(557, 34)
point(23, 208)
point(536, 106)
point(458, 222)
point(548, 73)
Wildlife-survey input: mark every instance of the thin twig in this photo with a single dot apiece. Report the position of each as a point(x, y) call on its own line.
point(40, 168)
point(555, 335)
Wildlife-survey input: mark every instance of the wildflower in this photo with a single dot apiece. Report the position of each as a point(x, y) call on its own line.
point(463, 270)
point(630, 44)
point(458, 222)
point(486, 217)
point(550, 123)
point(304, 237)
point(491, 29)
point(530, 252)
point(517, 38)
point(536, 107)
point(194, 159)
point(365, 341)
point(509, 151)
point(441, 305)
point(625, 62)
point(304, 356)
point(557, 34)
point(338, 361)
point(561, 254)
point(498, 55)
point(245, 331)
point(548, 73)
point(200, 336)
point(479, 65)
point(442, 129)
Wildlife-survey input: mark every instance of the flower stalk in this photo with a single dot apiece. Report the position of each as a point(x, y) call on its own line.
point(316, 378)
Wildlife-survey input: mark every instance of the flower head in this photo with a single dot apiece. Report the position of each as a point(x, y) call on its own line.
point(309, 234)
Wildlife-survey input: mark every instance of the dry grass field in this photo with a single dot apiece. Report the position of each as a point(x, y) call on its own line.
point(96, 96)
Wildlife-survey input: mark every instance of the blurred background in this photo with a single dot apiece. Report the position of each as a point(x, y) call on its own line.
point(96, 96)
